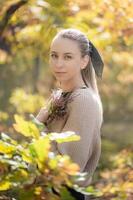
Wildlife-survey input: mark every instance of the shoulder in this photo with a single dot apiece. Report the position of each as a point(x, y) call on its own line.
point(84, 96)
point(86, 102)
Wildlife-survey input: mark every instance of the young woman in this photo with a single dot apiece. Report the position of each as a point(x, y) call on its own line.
point(74, 61)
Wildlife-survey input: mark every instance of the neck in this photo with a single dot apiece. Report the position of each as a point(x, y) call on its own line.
point(71, 85)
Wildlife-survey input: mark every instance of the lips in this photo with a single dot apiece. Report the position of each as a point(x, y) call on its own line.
point(60, 72)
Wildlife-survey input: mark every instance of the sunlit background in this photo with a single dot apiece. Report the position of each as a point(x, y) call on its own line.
point(26, 30)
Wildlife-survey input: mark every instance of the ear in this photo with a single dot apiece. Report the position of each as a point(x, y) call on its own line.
point(85, 61)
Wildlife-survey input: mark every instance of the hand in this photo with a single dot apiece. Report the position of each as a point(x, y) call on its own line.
point(42, 115)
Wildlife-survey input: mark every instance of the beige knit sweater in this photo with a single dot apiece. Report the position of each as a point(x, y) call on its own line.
point(85, 119)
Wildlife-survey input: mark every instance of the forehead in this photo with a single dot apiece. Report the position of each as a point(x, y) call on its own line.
point(63, 45)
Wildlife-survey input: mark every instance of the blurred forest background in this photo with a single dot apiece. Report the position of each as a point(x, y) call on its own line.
point(26, 30)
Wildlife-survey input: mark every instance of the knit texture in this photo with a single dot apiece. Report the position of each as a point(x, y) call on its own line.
point(85, 119)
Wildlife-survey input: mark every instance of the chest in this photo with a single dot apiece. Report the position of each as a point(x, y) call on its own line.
point(57, 125)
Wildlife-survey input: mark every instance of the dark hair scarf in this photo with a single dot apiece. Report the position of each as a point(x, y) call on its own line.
point(96, 60)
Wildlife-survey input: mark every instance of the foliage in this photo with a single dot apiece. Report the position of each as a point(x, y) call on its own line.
point(23, 103)
point(117, 183)
point(30, 170)
point(26, 30)
point(26, 103)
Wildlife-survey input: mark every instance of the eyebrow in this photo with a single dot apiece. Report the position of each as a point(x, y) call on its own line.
point(64, 53)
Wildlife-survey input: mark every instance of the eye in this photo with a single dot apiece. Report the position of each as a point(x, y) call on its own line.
point(67, 57)
point(53, 55)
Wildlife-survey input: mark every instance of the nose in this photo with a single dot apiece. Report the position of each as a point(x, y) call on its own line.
point(59, 63)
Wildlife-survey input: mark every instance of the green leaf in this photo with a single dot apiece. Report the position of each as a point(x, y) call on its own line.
point(27, 195)
point(68, 136)
point(19, 176)
point(65, 194)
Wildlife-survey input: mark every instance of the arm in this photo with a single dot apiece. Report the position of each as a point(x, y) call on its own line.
point(42, 115)
point(83, 120)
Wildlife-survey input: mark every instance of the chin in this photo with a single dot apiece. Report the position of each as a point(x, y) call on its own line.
point(65, 81)
point(61, 78)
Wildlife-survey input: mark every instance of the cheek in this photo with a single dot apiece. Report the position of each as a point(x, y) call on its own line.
point(74, 67)
point(73, 71)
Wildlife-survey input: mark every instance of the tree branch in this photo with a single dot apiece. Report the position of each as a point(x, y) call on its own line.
point(10, 11)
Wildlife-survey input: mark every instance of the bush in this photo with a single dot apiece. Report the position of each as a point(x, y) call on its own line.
point(30, 170)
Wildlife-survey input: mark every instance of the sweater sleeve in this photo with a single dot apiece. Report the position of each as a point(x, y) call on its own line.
point(83, 118)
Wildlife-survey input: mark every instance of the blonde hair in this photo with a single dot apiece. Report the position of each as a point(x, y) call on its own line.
point(89, 78)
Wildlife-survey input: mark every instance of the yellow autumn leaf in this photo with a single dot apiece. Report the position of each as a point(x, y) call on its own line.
point(53, 163)
point(71, 168)
point(6, 148)
point(24, 173)
point(68, 166)
point(41, 147)
point(26, 156)
point(4, 185)
point(68, 136)
point(27, 129)
point(38, 190)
